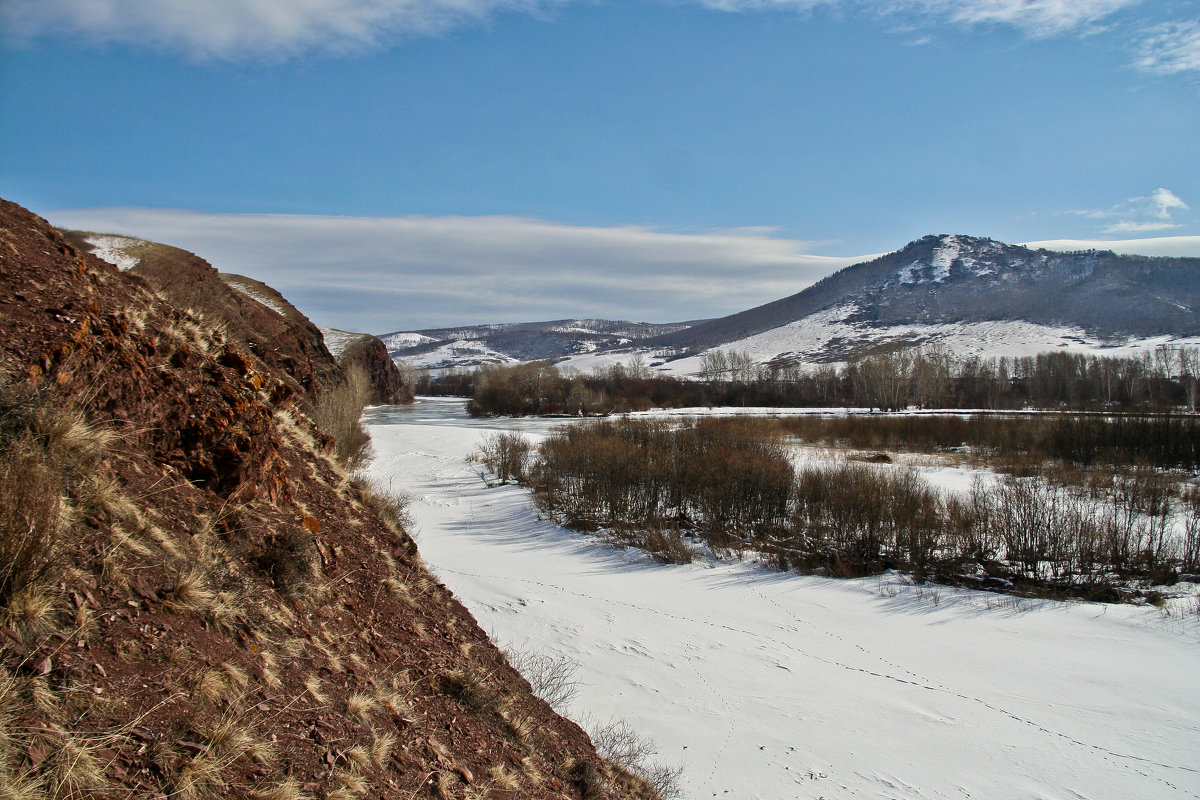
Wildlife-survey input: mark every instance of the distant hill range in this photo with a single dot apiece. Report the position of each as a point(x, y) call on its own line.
point(974, 296)
point(521, 341)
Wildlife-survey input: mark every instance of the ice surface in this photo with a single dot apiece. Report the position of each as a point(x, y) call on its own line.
point(769, 686)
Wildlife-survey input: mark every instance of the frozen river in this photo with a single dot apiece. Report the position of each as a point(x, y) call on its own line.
point(783, 687)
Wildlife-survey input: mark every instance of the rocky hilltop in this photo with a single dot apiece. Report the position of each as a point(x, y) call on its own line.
point(250, 313)
point(197, 600)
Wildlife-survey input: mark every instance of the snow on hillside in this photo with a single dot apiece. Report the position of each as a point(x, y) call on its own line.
point(116, 250)
point(768, 686)
point(945, 254)
point(812, 339)
point(337, 341)
point(259, 296)
point(401, 341)
point(458, 353)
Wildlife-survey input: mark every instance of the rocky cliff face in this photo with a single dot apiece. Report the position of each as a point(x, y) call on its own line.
point(197, 601)
point(370, 354)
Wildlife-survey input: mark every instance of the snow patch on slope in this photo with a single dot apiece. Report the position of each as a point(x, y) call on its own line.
point(337, 341)
point(825, 336)
point(116, 250)
point(402, 341)
point(459, 353)
point(945, 254)
point(260, 297)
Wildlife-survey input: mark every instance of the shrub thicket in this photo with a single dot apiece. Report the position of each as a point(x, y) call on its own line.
point(1020, 441)
point(731, 484)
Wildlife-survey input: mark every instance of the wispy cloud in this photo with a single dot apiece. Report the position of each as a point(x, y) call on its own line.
point(393, 273)
point(1127, 226)
point(1037, 18)
point(1162, 203)
point(1154, 212)
point(239, 29)
point(256, 29)
point(1170, 48)
point(1176, 246)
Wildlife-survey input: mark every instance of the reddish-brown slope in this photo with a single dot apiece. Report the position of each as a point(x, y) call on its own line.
point(280, 336)
point(226, 613)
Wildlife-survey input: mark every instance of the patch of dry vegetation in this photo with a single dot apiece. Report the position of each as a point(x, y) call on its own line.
point(337, 413)
point(1090, 532)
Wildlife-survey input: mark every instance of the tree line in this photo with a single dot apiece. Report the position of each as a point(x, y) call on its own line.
point(1167, 377)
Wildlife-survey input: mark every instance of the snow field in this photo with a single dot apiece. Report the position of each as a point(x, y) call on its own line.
point(768, 685)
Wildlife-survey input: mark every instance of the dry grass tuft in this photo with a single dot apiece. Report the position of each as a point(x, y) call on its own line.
point(287, 790)
point(504, 778)
point(211, 685)
point(29, 521)
point(361, 706)
point(191, 592)
point(381, 747)
point(313, 685)
point(359, 758)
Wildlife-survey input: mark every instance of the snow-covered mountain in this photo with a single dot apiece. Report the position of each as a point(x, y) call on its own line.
point(522, 341)
point(962, 280)
point(970, 295)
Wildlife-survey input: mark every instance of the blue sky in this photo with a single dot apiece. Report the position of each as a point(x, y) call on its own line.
point(657, 159)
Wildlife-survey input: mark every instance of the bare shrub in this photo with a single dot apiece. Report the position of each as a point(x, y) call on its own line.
point(389, 503)
point(618, 742)
point(554, 678)
point(290, 558)
point(666, 544)
point(505, 454)
point(1189, 560)
point(29, 520)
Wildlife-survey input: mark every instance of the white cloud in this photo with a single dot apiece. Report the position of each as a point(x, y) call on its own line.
point(1154, 212)
point(1164, 202)
point(1037, 18)
point(1128, 226)
point(240, 29)
point(234, 29)
point(393, 273)
point(1170, 48)
point(1174, 246)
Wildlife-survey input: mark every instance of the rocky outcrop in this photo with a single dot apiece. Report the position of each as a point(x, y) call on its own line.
point(369, 354)
point(213, 607)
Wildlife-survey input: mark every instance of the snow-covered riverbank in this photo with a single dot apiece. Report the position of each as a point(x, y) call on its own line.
point(785, 687)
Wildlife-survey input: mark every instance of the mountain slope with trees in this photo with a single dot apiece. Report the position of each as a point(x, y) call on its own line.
point(963, 279)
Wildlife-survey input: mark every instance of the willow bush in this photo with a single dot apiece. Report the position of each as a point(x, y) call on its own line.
point(731, 484)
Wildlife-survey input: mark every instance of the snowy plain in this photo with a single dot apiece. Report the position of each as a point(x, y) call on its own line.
point(769, 686)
